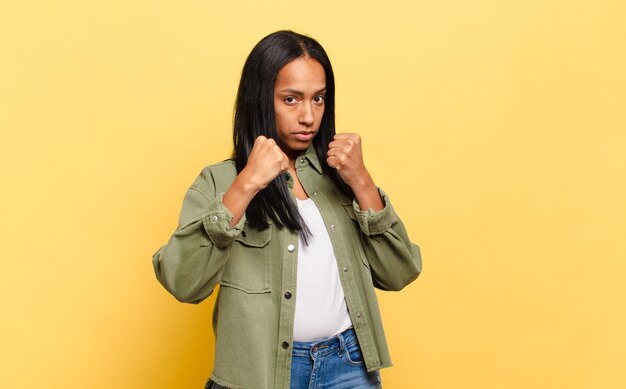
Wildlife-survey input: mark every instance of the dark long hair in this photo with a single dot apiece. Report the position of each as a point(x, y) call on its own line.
point(254, 115)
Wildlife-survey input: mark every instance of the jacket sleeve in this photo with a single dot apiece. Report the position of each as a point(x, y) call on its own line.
point(394, 260)
point(191, 263)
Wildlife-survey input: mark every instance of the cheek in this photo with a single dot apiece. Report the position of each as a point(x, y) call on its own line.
point(281, 119)
point(320, 113)
point(286, 115)
point(283, 123)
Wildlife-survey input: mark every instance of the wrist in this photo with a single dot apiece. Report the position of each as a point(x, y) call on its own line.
point(248, 184)
point(363, 182)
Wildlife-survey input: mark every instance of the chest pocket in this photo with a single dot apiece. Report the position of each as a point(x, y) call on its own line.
point(248, 266)
point(357, 234)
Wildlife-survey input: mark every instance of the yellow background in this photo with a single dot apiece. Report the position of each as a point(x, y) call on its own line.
point(497, 128)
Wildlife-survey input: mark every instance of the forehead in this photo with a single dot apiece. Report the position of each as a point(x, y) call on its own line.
point(302, 73)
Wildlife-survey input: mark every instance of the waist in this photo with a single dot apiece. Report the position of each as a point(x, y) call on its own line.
point(324, 346)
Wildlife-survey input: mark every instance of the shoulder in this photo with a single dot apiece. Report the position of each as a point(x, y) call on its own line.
point(216, 178)
point(224, 168)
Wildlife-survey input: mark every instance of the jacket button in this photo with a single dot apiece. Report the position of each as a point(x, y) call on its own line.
point(358, 315)
point(314, 193)
point(345, 269)
point(290, 248)
point(213, 218)
point(288, 295)
point(333, 226)
point(285, 345)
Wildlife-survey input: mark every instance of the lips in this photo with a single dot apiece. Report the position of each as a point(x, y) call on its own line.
point(304, 135)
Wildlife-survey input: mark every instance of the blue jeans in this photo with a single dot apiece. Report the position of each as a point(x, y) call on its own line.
point(333, 363)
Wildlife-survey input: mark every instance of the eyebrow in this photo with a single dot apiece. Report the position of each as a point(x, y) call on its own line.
point(297, 92)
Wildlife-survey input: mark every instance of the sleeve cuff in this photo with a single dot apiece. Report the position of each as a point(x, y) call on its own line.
point(217, 220)
point(375, 222)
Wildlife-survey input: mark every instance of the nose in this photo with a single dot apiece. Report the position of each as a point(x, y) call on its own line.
point(306, 115)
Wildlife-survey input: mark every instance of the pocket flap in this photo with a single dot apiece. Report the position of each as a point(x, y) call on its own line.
point(254, 237)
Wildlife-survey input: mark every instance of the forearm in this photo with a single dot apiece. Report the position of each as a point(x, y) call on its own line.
point(394, 260)
point(238, 196)
point(190, 264)
point(367, 195)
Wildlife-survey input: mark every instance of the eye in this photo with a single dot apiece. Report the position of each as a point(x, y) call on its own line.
point(289, 100)
point(320, 99)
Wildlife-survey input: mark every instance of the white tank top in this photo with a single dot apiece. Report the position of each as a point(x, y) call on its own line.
point(321, 310)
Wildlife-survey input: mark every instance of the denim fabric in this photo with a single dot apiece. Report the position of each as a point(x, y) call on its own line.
point(335, 363)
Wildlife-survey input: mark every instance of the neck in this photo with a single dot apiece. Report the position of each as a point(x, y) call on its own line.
point(293, 156)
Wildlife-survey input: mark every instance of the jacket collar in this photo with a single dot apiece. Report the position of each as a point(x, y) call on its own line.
point(311, 155)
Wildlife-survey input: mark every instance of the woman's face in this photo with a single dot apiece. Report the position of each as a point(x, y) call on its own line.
point(299, 94)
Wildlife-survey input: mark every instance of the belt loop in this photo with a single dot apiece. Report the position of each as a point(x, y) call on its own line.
point(342, 344)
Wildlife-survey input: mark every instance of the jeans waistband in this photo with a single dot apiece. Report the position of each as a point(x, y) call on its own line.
point(324, 346)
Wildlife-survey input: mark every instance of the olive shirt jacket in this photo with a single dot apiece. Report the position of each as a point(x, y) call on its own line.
point(256, 269)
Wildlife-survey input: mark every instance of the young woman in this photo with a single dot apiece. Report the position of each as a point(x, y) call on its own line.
point(294, 231)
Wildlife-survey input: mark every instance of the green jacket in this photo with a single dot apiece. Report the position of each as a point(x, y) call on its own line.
point(253, 316)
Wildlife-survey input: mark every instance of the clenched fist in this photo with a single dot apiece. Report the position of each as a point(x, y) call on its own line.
point(345, 155)
point(265, 162)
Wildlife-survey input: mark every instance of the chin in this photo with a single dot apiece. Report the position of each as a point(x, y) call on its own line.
point(296, 147)
point(300, 146)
